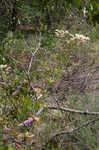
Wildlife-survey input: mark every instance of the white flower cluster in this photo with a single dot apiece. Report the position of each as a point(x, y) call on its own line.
point(80, 38)
point(77, 37)
point(3, 66)
point(62, 33)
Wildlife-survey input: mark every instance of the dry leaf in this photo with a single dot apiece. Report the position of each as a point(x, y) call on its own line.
point(37, 119)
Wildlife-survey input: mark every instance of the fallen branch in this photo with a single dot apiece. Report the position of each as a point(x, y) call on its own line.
point(75, 129)
point(69, 131)
point(3, 83)
point(86, 112)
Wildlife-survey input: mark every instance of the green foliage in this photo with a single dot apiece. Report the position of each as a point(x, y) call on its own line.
point(24, 106)
point(54, 58)
point(95, 33)
point(46, 11)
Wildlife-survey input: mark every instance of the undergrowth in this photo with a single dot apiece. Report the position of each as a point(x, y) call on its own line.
point(29, 74)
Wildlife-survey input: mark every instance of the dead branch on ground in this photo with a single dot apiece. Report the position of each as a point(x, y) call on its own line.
point(86, 112)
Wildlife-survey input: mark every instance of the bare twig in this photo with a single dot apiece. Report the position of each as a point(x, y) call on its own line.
point(74, 110)
point(39, 111)
point(27, 72)
point(33, 53)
